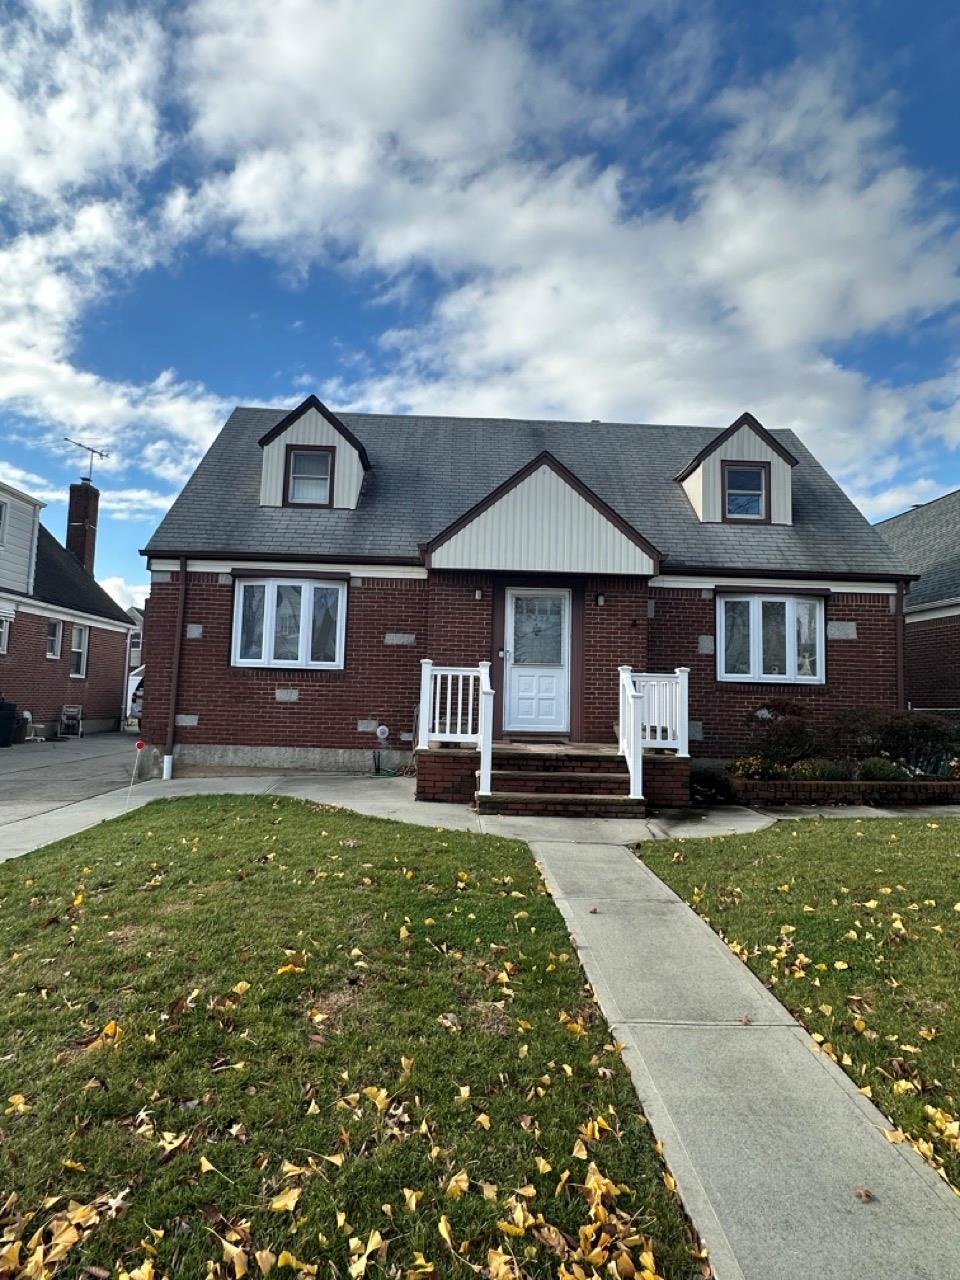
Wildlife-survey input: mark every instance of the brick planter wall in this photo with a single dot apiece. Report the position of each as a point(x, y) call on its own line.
point(860, 672)
point(800, 791)
point(44, 685)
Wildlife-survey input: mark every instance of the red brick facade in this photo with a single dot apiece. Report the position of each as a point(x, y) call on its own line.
point(44, 685)
point(380, 682)
point(860, 672)
point(932, 663)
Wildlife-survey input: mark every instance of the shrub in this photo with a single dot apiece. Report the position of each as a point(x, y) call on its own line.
point(781, 733)
point(759, 767)
point(711, 784)
point(820, 769)
point(882, 769)
point(924, 743)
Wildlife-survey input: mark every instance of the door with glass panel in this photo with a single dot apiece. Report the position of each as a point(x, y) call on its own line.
point(536, 660)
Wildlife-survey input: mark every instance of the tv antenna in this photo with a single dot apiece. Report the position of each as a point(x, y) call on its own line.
point(94, 453)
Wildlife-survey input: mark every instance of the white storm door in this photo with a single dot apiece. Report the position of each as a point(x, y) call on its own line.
point(536, 660)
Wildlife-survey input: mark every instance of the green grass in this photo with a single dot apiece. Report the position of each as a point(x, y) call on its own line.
point(855, 925)
point(232, 982)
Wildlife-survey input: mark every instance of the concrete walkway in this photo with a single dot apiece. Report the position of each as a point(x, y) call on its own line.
point(769, 1140)
point(38, 777)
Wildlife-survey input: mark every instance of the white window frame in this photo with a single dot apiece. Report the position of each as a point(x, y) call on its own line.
point(726, 490)
point(83, 650)
point(4, 513)
point(755, 675)
point(306, 451)
point(307, 586)
point(59, 646)
point(4, 634)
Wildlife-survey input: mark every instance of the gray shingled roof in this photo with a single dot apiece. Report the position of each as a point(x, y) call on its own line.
point(928, 540)
point(426, 471)
point(61, 579)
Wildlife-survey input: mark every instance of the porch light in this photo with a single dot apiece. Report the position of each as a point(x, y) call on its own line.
point(601, 600)
point(478, 594)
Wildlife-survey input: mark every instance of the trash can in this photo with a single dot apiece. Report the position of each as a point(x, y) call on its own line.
point(8, 723)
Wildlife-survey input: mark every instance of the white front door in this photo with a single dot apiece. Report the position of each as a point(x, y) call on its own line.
point(536, 660)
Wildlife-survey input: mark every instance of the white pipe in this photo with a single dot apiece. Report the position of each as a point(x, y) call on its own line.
point(167, 768)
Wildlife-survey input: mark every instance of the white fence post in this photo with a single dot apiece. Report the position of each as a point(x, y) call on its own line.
point(637, 718)
point(683, 727)
point(626, 678)
point(486, 730)
point(426, 703)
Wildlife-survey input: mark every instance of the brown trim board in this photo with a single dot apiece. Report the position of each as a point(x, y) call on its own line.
point(745, 420)
point(294, 415)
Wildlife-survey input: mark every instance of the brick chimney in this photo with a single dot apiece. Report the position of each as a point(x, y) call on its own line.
point(82, 522)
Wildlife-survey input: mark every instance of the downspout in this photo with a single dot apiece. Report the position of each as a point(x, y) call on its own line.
point(175, 674)
point(901, 682)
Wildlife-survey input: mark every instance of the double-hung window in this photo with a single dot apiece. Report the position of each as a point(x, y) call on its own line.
point(745, 494)
point(770, 638)
point(54, 638)
point(79, 651)
point(286, 622)
point(4, 634)
point(309, 476)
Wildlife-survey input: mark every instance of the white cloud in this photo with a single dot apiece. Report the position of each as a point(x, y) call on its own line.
point(473, 142)
point(128, 595)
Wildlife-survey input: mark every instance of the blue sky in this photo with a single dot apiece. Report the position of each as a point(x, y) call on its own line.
point(670, 212)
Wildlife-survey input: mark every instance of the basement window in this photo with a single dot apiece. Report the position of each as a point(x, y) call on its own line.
point(287, 622)
point(775, 639)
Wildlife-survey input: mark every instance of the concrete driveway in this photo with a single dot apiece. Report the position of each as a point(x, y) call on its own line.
point(38, 777)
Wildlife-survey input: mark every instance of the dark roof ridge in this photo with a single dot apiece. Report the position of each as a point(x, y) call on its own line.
point(918, 506)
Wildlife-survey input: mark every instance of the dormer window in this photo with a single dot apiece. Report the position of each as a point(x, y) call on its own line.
point(309, 476)
point(746, 491)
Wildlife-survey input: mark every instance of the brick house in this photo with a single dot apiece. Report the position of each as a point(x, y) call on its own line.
point(63, 640)
point(927, 539)
point(519, 603)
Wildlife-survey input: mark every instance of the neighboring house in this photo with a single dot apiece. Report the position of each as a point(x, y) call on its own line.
point(315, 560)
point(136, 637)
point(63, 640)
point(927, 539)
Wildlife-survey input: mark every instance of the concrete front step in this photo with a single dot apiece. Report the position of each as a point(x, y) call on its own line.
point(560, 805)
point(570, 782)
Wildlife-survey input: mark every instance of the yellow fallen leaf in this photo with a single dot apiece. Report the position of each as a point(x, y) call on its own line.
point(336, 1159)
point(840, 964)
point(543, 1166)
point(670, 1181)
point(266, 1261)
point(483, 1120)
point(18, 1105)
point(411, 1199)
point(286, 1201)
point(236, 1258)
point(73, 1164)
point(443, 1226)
point(241, 988)
point(458, 1184)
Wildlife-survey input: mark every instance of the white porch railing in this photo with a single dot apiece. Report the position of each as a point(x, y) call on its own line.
point(653, 713)
point(665, 713)
point(456, 705)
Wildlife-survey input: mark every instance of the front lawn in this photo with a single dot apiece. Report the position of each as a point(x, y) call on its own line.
point(855, 925)
point(256, 1035)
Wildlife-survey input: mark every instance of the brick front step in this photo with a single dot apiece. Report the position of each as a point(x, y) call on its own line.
point(565, 805)
point(580, 758)
point(570, 782)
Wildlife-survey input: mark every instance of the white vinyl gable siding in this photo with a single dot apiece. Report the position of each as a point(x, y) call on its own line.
point(18, 541)
point(704, 486)
point(311, 428)
point(543, 525)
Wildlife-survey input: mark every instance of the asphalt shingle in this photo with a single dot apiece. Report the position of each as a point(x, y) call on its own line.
point(426, 471)
point(928, 540)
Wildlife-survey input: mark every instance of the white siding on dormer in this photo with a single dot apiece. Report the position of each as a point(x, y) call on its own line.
point(311, 428)
point(704, 486)
point(18, 542)
point(542, 525)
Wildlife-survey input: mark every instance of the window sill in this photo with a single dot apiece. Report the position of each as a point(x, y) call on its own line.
point(290, 669)
point(766, 681)
point(53, 657)
point(74, 676)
